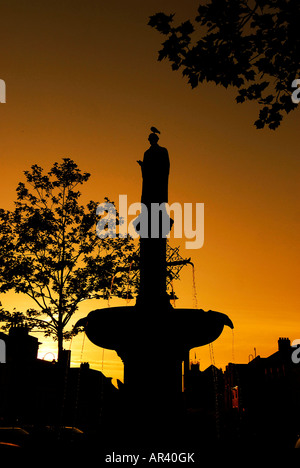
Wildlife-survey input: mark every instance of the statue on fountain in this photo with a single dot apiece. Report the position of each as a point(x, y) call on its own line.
point(155, 172)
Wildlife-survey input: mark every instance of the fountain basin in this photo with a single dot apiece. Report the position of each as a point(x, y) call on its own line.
point(179, 330)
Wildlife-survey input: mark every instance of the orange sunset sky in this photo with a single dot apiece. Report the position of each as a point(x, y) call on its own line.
point(83, 82)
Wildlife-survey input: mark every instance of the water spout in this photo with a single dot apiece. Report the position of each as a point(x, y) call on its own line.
point(127, 293)
point(173, 293)
point(194, 286)
point(111, 286)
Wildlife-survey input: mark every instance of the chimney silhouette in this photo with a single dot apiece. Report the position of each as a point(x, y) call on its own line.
point(284, 347)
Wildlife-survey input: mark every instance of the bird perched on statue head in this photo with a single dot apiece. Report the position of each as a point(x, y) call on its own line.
point(154, 130)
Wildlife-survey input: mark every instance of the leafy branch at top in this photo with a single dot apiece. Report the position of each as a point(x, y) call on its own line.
point(253, 46)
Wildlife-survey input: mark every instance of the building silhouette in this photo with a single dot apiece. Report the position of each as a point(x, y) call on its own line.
point(256, 403)
point(45, 398)
point(262, 398)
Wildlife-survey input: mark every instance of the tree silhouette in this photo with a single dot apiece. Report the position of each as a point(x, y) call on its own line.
point(252, 45)
point(49, 251)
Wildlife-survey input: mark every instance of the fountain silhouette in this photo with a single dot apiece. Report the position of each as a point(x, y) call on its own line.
point(152, 337)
